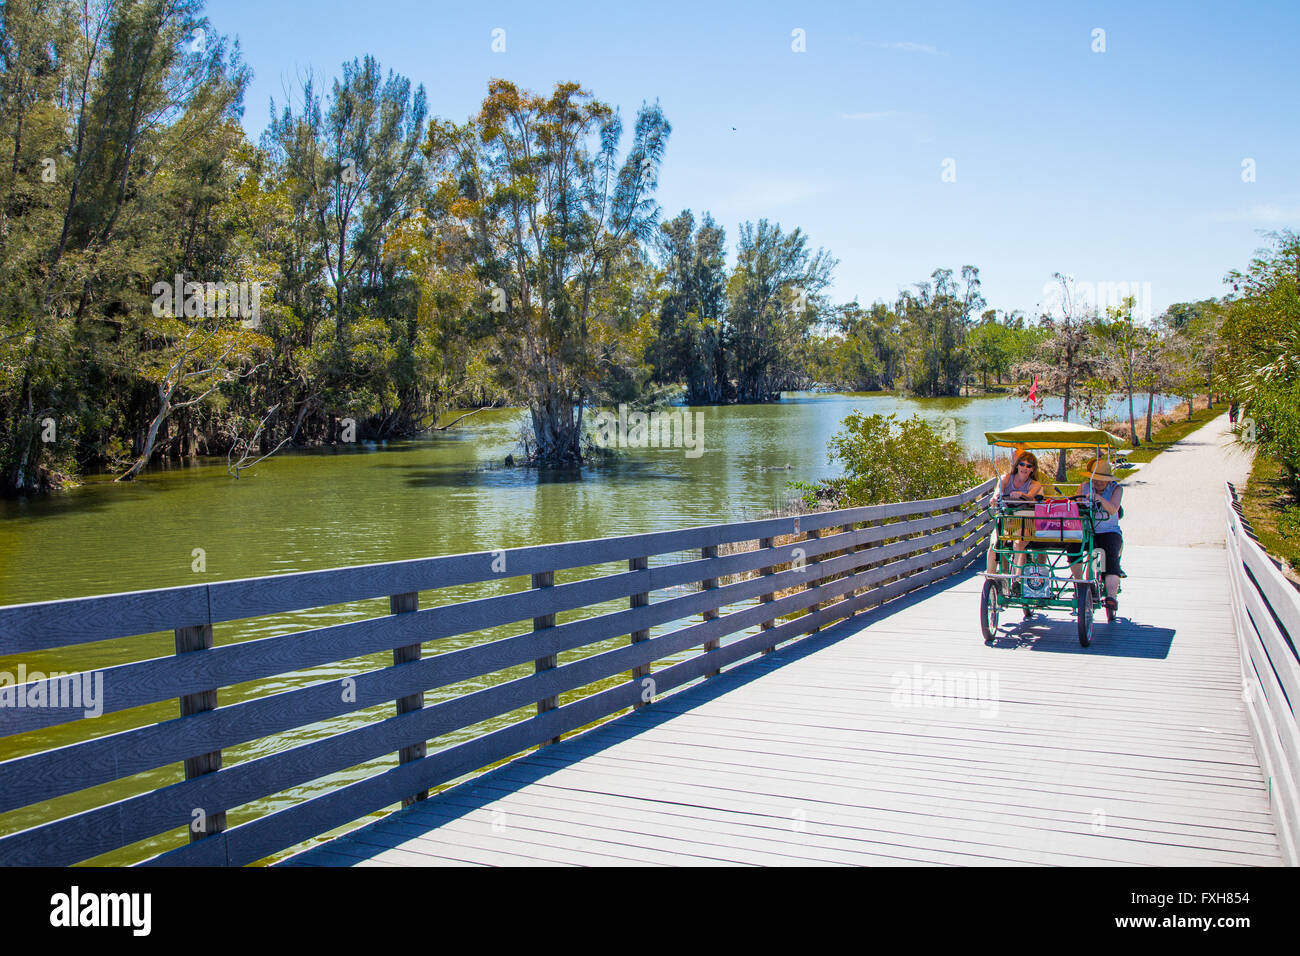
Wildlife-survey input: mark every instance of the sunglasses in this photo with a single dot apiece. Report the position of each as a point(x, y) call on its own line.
point(1024, 464)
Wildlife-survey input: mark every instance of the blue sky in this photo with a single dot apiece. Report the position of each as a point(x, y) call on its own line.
point(1115, 166)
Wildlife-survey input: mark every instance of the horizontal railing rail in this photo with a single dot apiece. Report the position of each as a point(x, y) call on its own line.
point(827, 566)
point(1266, 617)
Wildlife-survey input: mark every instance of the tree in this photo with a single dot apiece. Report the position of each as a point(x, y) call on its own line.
point(692, 339)
point(940, 314)
point(773, 301)
point(858, 350)
point(1261, 333)
point(103, 194)
point(989, 345)
point(553, 216)
point(195, 365)
point(354, 170)
point(1149, 371)
point(1117, 340)
point(1062, 357)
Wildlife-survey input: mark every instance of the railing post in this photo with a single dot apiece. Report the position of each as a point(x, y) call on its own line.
point(545, 579)
point(189, 639)
point(949, 513)
point(812, 582)
point(640, 671)
point(405, 604)
point(848, 529)
point(710, 614)
point(871, 565)
point(767, 598)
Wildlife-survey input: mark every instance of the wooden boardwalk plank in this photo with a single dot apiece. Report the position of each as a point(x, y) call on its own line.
point(814, 768)
point(773, 823)
point(1134, 751)
point(990, 771)
point(889, 795)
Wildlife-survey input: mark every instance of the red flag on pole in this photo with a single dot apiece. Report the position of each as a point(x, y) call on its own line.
point(1033, 391)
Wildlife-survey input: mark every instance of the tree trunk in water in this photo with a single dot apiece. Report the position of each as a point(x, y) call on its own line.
point(23, 475)
point(557, 427)
point(149, 441)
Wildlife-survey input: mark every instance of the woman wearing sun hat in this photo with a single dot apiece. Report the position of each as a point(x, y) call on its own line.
point(1106, 491)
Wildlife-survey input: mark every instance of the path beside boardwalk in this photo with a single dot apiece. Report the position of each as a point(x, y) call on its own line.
point(1177, 499)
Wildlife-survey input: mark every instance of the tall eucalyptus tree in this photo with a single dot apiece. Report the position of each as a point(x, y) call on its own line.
point(556, 218)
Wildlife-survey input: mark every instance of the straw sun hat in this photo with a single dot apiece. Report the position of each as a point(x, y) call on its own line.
point(1099, 468)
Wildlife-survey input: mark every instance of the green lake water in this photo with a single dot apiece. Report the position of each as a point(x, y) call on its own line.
point(446, 494)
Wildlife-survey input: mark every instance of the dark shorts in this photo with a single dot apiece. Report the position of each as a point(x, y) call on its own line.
point(1111, 542)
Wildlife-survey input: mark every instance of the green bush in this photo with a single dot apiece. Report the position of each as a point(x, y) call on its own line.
point(1261, 338)
point(1271, 421)
point(887, 460)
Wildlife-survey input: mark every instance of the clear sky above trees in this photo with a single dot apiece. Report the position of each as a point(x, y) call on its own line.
point(1122, 165)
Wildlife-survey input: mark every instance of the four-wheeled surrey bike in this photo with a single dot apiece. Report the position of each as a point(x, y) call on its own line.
point(1058, 532)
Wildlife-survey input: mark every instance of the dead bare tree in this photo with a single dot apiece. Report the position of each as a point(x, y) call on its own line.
point(1063, 359)
point(245, 460)
point(180, 375)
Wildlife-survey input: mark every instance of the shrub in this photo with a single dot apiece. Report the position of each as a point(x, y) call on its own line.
point(887, 460)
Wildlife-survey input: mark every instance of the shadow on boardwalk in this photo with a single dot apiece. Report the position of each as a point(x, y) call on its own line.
point(834, 750)
point(474, 795)
point(1055, 632)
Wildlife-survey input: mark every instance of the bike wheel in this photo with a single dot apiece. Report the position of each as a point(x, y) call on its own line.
point(990, 601)
point(1083, 594)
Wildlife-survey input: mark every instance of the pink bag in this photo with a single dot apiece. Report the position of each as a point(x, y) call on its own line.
point(1057, 516)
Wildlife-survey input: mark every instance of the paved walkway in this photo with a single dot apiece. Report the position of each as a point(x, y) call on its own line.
point(1177, 499)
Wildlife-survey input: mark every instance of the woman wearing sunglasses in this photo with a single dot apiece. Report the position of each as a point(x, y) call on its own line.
point(1019, 484)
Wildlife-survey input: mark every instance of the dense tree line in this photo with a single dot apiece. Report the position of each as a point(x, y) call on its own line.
point(927, 344)
point(1258, 353)
point(173, 289)
point(169, 288)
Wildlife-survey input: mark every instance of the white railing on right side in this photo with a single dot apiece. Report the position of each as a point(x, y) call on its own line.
point(1266, 617)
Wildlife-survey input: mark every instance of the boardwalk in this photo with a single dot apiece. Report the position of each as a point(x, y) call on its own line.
point(842, 750)
point(893, 737)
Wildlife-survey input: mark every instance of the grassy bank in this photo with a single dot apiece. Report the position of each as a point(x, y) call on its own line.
point(1273, 510)
point(1167, 429)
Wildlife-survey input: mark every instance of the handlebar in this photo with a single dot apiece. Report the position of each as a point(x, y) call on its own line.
point(1009, 504)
